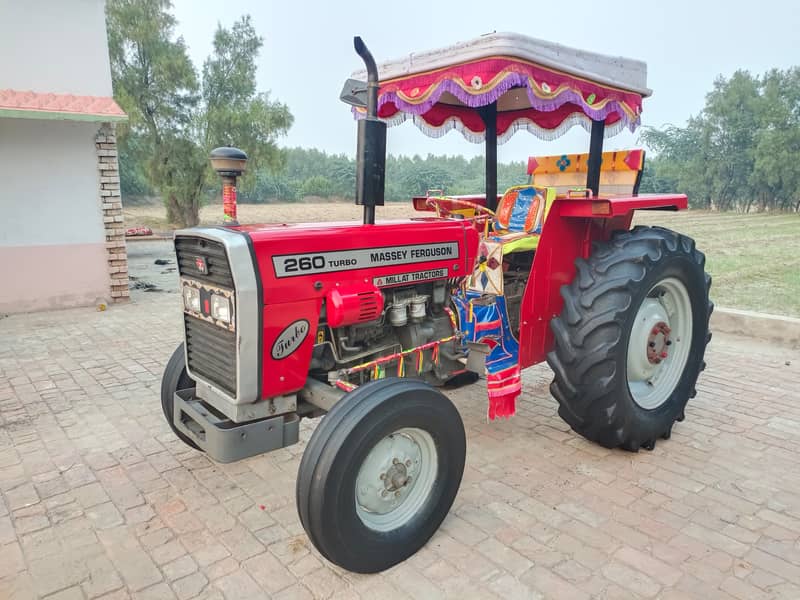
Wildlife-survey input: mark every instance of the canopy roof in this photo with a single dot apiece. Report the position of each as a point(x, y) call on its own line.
point(540, 86)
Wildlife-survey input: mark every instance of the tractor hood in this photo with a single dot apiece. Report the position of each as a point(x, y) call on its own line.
point(304, 261)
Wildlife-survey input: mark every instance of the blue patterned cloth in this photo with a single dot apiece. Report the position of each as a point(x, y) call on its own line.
point(489, 325)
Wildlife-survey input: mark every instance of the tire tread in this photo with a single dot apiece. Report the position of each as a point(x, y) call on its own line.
point(594, 304)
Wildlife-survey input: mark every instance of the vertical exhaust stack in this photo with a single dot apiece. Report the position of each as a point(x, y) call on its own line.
point(371, 153)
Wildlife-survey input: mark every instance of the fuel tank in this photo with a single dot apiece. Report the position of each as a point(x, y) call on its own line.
point(303, 266)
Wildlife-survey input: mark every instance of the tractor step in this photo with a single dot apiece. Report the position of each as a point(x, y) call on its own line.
point(226, 441)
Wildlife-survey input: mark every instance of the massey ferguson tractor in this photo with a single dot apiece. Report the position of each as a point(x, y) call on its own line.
point(360, 323)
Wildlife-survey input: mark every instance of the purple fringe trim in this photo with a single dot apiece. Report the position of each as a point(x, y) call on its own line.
point(511, 80)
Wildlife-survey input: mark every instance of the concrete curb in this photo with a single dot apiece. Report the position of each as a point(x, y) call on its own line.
point(772, 328)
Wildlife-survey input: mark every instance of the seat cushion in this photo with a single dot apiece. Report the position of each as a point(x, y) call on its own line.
point(520, 210)
point(513, 243)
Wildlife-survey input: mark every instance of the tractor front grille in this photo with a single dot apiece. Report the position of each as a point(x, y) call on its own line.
point(211, 353)
point(189, 249)
point(210, 349)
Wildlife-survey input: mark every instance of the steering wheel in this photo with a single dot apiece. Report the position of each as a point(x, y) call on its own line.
point(481, 212)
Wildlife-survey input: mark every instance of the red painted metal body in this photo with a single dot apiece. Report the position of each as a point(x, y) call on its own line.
point(291, 298)
point(568, 232)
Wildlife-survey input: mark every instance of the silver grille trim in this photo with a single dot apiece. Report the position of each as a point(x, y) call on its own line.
point(246, 313)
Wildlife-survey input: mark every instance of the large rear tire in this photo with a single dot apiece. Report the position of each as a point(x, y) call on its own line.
point(380, 473)
point(630, 340)
point(175, 378)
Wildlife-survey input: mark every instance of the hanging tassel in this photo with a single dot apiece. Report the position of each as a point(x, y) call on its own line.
point(503, 388)
point(401, 367)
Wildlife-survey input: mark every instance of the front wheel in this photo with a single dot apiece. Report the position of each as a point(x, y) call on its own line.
point(380, 473)
point(630, 341)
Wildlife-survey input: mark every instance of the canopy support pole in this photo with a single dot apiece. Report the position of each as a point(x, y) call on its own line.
point(488, 114)
point(595, 156)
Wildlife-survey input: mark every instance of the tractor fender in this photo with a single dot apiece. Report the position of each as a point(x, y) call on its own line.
point(570, 229)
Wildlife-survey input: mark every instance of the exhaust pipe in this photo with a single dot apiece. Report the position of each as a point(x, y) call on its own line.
point(371, 153)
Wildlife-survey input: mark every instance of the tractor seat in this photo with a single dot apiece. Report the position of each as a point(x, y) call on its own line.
point(519, 217)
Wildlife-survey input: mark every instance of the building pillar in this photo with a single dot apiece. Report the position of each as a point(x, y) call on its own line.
point(111, 203)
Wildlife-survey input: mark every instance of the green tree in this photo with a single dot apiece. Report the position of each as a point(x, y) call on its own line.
point(317, 185)
point(181, 117)
point(740, 152)
point(309, 171)
point(776, 171)
point(133, 154)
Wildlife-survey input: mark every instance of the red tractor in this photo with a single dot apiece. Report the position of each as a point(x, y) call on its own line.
point(362, 322)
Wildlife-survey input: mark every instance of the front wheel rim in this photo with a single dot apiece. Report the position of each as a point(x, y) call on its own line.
point(396, 479)
point(659, 343)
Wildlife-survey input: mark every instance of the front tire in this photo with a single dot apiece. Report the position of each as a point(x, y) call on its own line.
point(380, 473)
point(630, 340)
point(175, 378)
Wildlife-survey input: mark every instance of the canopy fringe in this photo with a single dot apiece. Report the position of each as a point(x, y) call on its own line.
point(477, 137)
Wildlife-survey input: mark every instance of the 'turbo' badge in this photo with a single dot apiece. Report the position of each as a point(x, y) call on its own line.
point(290, 339)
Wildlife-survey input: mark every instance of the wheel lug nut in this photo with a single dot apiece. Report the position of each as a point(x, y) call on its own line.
point(395, 461)
point(397, 494)
point(384, 493)
point(383, 476)
point(408, 463)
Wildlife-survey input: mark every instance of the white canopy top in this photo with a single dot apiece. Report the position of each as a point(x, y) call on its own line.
point(623, 73)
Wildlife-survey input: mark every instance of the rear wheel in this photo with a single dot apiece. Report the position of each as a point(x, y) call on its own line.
point(175, 378)
point(630, 341)
point(380, 473)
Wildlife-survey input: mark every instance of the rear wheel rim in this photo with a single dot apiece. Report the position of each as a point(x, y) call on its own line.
point(659, 343)
point(396, 479)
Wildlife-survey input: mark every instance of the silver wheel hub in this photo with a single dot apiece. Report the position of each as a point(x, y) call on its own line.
point(658, 347)
point(396, 479)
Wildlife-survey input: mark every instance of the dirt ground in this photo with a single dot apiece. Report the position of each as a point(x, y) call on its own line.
point(145, 275)
point(154, 216)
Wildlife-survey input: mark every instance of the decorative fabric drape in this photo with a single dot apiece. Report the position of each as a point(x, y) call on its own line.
point(444, 99)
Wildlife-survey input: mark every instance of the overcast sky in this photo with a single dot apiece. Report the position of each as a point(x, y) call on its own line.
point(308, 53)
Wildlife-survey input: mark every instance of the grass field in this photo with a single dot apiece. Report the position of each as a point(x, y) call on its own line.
point(754, 259)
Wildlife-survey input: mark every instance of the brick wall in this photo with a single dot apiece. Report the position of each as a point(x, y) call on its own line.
point(111, 201)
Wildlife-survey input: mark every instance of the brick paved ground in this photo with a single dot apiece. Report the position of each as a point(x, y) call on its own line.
point(99, 500)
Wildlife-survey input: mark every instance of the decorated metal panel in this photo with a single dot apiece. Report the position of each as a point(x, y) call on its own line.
point(300, 265)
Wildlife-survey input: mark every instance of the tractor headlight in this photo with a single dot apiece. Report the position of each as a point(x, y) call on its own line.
point(220, 308)
point(191, 298)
